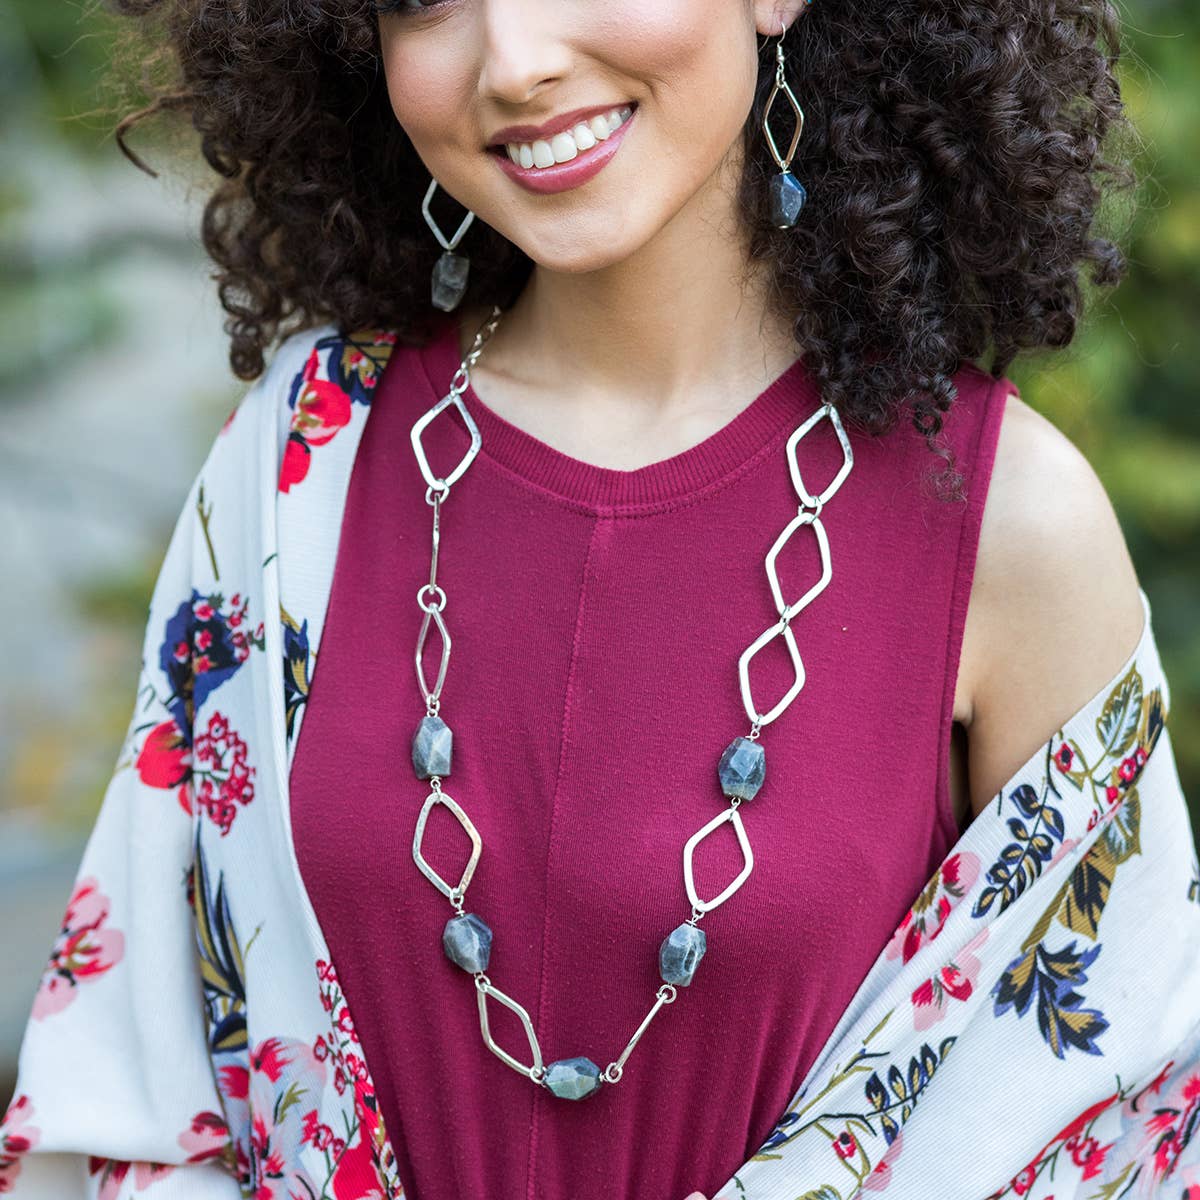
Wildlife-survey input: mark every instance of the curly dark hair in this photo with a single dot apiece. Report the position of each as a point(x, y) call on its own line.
point(954, 154)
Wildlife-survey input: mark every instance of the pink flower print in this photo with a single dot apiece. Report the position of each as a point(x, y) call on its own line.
point(83, 950)
point(1067, 845)
point(207, 1137)
point(881, 1176)
point(954, 981)
point(221, 774)
point(17, 1137)
point(112, 1172)
point(928, 915)
point(269, 1100)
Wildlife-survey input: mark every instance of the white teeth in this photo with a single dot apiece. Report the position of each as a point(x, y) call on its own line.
point(563, 147)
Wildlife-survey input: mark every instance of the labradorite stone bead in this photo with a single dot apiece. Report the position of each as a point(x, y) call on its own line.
point(742, 768)
point(680, 954)
point(467, 942)
point(787, 199)
point(572, 1078)
point(449, 280)
point(431, 746)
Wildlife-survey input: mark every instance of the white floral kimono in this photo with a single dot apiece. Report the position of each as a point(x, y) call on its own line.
point(1031, 1029)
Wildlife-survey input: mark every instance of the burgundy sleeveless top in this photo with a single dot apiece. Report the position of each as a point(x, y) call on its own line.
point(596, 618)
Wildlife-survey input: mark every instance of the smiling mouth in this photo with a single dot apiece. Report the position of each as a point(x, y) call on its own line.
point(568, 144)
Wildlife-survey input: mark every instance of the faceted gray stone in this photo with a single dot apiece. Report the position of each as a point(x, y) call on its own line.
point(449, 280)
point(680, 954)
point(467, 942)
point(787, 199)
point(572, 1078)
point(431, 747)
point(742, 768)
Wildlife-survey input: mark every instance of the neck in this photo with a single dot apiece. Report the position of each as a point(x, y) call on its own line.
point(684, 319)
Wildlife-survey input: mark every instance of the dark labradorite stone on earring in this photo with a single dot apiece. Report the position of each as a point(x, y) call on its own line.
point(787, 199)
point(572, 1078)
point(467, 942)
point(431, 747)
point(680, 954)
point(450, 280)
point(742, 768)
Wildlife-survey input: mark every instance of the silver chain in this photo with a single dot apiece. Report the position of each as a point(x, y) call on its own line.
point(431, 599)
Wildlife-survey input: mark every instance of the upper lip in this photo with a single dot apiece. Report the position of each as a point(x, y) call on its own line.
point(545, 131)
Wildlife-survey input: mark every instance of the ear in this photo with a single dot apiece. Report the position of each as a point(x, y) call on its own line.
point(771, 16)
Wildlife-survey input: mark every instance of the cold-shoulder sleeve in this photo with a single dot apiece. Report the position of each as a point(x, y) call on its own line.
point(116, 1094)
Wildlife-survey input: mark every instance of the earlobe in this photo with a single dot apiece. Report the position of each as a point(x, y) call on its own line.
point(773, 17)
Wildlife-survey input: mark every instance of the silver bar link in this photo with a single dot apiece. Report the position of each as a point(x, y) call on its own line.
point(665, 995)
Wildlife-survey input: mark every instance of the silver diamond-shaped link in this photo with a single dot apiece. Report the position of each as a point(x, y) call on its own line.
point(788, 611)
point(734, 817)
point(825, 411)
point(782, 161)
point(444, 633)
point(484, 990)
point(452, 397)
point(432, 221)
point(784, 630)
point(439, 797)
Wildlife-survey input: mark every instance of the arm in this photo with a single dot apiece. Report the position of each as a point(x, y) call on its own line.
point(115, 1094)
point(1054, 607)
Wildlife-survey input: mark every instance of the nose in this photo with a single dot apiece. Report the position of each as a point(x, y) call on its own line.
point(522, 49)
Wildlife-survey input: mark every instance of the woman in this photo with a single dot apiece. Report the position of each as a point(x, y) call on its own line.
point(670, 323)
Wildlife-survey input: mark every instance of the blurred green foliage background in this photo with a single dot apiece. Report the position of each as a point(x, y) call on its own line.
point(104, 277)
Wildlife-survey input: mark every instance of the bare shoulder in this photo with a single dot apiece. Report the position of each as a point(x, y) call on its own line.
point(1054, 608)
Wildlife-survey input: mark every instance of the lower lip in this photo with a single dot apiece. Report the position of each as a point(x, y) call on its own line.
point(563, 176)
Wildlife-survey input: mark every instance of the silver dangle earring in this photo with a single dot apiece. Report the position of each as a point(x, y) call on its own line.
point(787, 193)
point(450, 271)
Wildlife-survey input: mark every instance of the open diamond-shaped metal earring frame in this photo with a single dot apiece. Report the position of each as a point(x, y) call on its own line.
point(787, 194)
point(451, 270)
point(781, 86)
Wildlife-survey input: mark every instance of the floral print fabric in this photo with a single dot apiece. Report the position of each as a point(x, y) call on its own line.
point(1031, 1029)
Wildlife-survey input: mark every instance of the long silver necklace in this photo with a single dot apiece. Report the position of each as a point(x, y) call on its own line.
point(466, 939)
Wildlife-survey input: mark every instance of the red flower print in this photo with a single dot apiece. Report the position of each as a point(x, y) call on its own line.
point(845, 1145)
point(221, 774)
point(294, 468)
point(366, 1171)
point(1024, 1179)
point(881, 1176)
point(165, 759)
point(1064, 757)
point(83, 950)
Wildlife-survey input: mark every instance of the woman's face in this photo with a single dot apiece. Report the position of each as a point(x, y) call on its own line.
point(459, 71)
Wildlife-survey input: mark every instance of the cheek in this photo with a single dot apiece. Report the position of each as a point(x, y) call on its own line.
point(692, 62)
point(429, 84)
